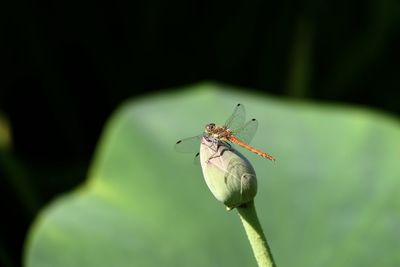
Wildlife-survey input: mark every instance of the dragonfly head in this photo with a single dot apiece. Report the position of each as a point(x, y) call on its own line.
point(210, 128)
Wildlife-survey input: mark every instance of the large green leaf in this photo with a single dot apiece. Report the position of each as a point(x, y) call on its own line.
point(331, 199)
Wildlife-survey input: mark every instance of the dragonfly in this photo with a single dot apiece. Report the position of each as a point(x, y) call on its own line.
point(235, 130)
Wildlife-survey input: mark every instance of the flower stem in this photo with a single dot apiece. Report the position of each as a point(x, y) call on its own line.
point(258, 242)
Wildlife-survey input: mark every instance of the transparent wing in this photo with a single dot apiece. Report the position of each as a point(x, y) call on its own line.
point(247, 132)
point(189, 145)
point(237, 119)
point(196, 159)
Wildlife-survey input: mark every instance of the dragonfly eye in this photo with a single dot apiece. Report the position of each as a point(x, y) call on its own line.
point(210, 126)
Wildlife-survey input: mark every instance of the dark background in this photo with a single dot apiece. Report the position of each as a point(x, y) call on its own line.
point(70, 63)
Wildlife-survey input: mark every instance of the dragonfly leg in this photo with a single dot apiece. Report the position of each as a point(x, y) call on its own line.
point(212, 144)
point(215, 147)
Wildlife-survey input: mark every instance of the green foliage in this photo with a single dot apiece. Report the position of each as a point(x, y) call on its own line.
point(331, 199)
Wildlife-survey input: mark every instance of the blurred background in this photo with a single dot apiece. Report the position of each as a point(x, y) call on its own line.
point(69, 64)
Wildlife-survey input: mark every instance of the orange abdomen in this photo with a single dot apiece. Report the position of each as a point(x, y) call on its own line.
point(239, 142)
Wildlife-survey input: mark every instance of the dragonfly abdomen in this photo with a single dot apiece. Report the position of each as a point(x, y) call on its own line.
point(237, 141)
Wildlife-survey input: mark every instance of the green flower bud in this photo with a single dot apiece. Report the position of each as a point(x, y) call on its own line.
point(228, 174)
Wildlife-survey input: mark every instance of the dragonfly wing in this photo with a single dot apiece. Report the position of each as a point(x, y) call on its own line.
point(237, 119)
point(189, 145)
point(247, 132)
point(196, 159)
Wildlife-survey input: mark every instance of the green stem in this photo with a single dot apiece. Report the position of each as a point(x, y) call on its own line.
point(258, 242)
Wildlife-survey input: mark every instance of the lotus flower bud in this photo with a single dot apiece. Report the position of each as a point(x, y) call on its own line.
point(228, 174)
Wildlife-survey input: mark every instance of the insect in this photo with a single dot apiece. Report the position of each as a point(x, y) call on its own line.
point(235, 131)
